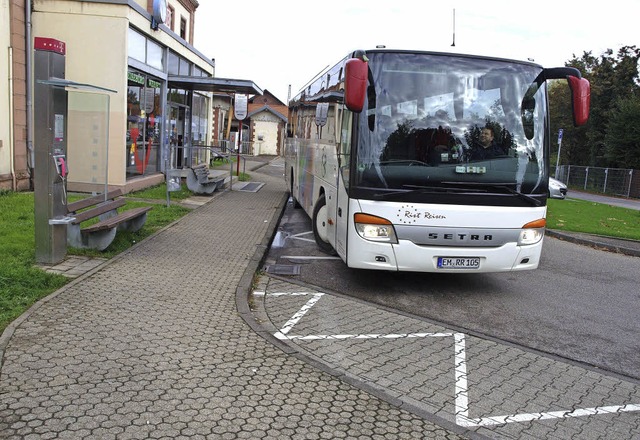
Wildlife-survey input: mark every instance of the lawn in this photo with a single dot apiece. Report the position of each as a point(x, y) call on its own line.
point(593, 218)
point(22, 283)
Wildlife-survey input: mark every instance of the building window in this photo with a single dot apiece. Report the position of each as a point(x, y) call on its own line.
point(171, 18)
point(185, 67)
point(154, 55)
point(173, 63)
point(147, 51)
point(136, 46)
point(178, 65)
point(183, 28)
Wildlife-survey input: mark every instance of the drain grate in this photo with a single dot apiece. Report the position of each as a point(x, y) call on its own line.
point(283, 269)
point(251, 187)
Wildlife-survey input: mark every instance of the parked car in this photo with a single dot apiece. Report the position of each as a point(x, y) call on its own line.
point(557, 189)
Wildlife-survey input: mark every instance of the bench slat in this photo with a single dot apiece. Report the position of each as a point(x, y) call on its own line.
point(94, 200)
point(98, 210)
point(112, 222)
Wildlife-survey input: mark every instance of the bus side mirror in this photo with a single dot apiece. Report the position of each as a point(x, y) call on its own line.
point(580, 99)
point(355, 84)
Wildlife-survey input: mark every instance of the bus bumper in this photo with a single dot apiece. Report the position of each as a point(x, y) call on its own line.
point(407, 256)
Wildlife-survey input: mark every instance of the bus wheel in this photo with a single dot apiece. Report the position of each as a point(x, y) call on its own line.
point(320, 225)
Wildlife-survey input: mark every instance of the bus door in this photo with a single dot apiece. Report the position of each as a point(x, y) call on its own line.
point(342, 202)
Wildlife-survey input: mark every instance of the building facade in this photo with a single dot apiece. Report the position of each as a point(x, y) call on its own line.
point(160, 88)
point(268, 121)
point(14, 169)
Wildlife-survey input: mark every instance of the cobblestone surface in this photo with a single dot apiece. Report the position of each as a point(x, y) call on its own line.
point(152, 345)
point(493, 389)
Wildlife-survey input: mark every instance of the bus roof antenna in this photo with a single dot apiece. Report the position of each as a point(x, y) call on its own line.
point(454, 28)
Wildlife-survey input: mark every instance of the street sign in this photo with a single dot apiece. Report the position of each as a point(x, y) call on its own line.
point(560, 136)
point(240, 106)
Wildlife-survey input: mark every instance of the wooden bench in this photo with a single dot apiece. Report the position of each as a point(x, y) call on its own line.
point(104, 207)
point(199, 181)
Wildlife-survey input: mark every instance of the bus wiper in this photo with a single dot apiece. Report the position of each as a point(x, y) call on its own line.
point(499, 186)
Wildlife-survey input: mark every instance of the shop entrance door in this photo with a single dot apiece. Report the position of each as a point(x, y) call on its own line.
point(178, 140)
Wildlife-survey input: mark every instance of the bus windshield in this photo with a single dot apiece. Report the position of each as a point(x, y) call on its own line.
point(436, 124)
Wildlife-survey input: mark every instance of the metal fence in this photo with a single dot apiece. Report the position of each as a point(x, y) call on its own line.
point(204, 153)
point(618, 182)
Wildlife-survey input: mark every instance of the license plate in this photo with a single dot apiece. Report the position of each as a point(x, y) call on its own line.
point(458, 262)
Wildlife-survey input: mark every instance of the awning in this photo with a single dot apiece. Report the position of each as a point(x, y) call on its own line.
point(209, 84)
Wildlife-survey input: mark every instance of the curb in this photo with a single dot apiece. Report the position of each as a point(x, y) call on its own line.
point(598, 242)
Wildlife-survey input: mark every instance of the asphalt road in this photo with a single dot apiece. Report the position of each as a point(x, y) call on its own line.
point(581, 304)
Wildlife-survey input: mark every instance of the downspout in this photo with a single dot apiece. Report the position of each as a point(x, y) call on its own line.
point(12, 149)
point(29, 93)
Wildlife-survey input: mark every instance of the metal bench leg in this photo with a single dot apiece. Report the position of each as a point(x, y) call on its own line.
point(133, 225)
point(99, 240)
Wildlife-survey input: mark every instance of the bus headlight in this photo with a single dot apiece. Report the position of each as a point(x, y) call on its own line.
point(532, 232)
point(375, 228)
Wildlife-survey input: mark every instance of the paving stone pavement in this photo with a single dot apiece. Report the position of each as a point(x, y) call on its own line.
point(495, 390)
point(153, 344)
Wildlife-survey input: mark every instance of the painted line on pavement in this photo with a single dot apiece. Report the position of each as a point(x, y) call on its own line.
point(461, 395)
point(307, 257)
point(301, 238)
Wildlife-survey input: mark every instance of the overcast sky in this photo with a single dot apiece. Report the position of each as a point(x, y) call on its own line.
point(286, 42)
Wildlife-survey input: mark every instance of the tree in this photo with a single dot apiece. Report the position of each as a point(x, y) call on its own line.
point(574, 139)
point(623, 134)
point(613, 78)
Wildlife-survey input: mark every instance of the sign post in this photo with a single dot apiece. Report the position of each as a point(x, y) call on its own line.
point(559, 149)
point(240, 111)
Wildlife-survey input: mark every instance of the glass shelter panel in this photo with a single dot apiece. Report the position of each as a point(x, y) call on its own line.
point(87, 147)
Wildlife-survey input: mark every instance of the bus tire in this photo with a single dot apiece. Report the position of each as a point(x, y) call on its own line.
point(319, 222)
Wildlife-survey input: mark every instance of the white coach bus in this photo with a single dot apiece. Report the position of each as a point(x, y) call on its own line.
point(427, 162)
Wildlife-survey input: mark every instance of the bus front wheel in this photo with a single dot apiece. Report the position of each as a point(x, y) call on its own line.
point(320, 232)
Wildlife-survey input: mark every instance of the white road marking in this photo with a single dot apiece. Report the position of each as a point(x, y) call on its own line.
point(301, 238)
point(295, 318)
point(461, 396)
point(366, 336)
point(307, 257)
point(514, 418)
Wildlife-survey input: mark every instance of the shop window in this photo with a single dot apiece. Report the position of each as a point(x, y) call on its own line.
point(144, 124)
point(178, 96)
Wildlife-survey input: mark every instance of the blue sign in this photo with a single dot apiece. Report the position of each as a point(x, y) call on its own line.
point(560, 135)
